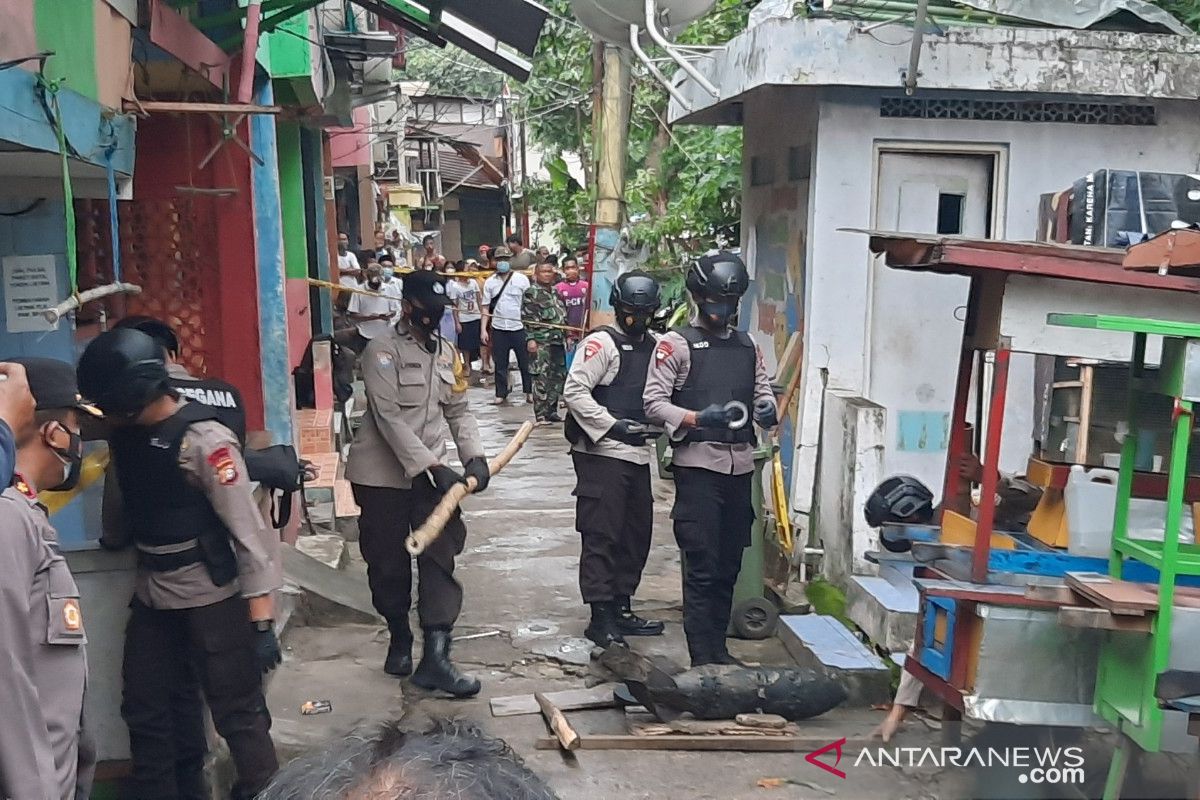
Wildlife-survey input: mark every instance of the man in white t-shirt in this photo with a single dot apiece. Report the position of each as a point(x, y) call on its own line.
point(502, 326)
point(347, 261)
point(468, 299)
point(371, 314)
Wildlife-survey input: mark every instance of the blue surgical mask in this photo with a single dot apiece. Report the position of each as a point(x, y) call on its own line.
point(503, 266)
point(388, 273)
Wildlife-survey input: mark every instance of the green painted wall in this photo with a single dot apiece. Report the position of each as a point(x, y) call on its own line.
point(68, 28)
point(291, 195)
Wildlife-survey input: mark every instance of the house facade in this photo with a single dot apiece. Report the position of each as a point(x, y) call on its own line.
point(835, 142)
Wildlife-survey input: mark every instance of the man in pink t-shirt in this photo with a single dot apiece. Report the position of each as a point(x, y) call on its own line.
point(574, 294)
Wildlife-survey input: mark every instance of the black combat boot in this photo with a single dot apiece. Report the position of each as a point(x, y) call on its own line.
point(630, 624)
point(399, 655)
point(437, 671)
point(719, 651)
point(603, 629)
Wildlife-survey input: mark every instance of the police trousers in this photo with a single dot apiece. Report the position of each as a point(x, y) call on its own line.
point(713, 515)
point(614, 514)
point(387, 517)
point(174, 661)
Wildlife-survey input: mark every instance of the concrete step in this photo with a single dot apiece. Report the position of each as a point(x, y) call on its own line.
point(823, 643)
point(328, 548)
point(885, 607)
point(328, 596)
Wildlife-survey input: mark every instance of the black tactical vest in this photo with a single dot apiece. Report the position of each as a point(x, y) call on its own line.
point(721, 370)
point(160, 506)
point(624, 396)
point(222, 397)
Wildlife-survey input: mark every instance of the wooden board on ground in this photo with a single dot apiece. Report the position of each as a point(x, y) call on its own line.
point(709, 727)
point(756, 744)
point(569, 700)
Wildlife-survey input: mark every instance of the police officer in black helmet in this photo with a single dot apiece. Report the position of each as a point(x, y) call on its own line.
point(607, 428)
point(201, 619)
point(708, 386)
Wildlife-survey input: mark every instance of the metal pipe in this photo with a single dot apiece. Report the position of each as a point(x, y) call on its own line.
point(655, 71)
point(661, 41)
point(249, 51)
point(53, 315)
point(914, 55)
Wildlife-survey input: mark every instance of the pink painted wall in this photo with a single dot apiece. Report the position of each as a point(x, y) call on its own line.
point(17, 35)
point(351, 147)
point(299, 320)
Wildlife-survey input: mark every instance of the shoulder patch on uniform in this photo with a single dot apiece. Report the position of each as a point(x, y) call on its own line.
point(223, 466)
point(662, 351)
point(591, 348)
point(72, 616)
point(22, 486)
point(384, 358)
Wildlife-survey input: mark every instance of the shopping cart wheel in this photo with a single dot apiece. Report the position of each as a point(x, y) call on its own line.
point(755, 618)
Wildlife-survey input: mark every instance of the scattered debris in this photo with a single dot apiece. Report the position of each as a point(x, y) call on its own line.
point(316, 707)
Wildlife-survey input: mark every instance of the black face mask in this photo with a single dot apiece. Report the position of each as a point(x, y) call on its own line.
point(634, 323)
point(72, 458)
point(424, 320)
point(375, 285)
point(718, 313)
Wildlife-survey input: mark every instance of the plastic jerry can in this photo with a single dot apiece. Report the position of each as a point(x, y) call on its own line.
point(1091, 499)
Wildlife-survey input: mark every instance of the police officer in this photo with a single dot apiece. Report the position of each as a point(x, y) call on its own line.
point(44, 751)
point(399, 470)
point(201, 615)
point(706, 381)
point(607, 429)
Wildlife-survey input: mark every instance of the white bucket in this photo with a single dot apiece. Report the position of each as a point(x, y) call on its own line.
point(1091, 498)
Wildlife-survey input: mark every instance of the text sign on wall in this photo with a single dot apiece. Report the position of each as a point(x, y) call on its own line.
point(30, 287)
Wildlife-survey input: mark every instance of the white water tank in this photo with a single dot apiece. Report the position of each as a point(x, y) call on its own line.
point(610, 19)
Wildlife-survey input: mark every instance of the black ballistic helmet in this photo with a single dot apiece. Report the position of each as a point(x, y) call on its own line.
point(637, 291)
point(719, 275)
point(156, 329)
point(901, 498)
point(122, 371)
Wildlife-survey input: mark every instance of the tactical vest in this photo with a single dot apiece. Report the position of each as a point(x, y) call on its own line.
point(161, 507)
point(624, 397)
point(721, 370)
point(222, 397)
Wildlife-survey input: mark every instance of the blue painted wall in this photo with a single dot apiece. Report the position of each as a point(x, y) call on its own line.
point(268, 244)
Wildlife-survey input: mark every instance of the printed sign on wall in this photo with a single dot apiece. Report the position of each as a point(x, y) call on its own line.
point(30, 287)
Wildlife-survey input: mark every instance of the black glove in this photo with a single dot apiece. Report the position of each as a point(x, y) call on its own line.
point(627, 431)
point(715, 416)
point(477, 468)
point(266, 649)
point(444, 477)
point(766, 413)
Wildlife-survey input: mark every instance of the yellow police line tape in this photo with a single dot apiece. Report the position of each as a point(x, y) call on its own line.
point(337, 287)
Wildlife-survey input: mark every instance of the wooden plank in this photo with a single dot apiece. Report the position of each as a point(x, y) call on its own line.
point(745, 744)
point(993, 593)
point(569, 700)
point(568, 739)
point(199, 108)
point(711, 727)
point(1062, 595)
point(1119, 597)
point(1102, 619)
point(947, 693)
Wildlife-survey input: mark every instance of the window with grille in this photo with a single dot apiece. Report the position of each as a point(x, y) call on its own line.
point(1078, 113)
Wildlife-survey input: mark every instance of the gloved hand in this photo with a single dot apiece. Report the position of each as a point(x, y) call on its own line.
point(766, 413)
point(477, 468)
point(715, 416)
point(266, 649)
point(628, 431)
point(444, 477)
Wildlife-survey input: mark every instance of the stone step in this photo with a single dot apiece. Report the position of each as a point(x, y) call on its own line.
point(327, 596)
point(885, 607)
point(823, 643)
point(328, 548)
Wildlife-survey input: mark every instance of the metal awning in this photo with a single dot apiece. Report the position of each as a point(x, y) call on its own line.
point(517, 23)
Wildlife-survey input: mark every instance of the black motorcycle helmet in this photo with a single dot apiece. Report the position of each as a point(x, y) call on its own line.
point(635, 296)
point(901, 498)
point(122, 371)
point(717, 283)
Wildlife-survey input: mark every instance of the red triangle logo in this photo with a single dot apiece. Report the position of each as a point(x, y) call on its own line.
point(836, 747)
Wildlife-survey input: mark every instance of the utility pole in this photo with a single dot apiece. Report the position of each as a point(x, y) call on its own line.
point(612, 143)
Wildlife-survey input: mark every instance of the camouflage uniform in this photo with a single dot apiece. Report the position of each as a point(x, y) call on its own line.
point(548, 365)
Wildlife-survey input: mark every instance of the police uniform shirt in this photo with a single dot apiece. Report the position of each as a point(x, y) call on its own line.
point(414, 401)
point(668, 372)
point(211, 461)
point(597, 362)
point(43, 672)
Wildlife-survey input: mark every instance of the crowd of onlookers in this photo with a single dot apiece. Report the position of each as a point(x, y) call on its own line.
point(489, 318)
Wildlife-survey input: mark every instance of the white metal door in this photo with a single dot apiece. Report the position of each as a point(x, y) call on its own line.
point(916, 319)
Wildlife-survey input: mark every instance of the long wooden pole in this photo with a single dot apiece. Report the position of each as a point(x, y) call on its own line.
point(423, 536)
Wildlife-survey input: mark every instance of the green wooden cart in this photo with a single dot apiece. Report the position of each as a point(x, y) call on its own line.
point(1131, 664)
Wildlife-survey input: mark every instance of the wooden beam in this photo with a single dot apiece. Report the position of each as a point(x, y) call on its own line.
point(1119, 597)
point(947, 693)
point(567, 738)
point(1102, 619)
point(746, 744)
point(170, 107)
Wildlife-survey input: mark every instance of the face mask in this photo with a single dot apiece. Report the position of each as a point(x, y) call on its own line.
point(634, 324)
point(72, 458)
point(389, 273)
point(718, 313)
point(423, 320)
point(502, 266)
point(375, 283)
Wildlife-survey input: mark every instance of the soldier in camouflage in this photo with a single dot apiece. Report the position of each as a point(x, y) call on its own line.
point(546, 343)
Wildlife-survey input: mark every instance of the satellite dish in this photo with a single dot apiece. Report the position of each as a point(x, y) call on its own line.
point(610, 19)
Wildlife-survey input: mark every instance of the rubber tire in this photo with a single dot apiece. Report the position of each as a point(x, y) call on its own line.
point(755, 618)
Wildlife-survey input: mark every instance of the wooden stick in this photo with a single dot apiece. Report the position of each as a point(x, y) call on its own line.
point(431, 528)
point(568, 739)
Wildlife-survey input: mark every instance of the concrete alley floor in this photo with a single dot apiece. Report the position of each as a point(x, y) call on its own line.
point(519, 572)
